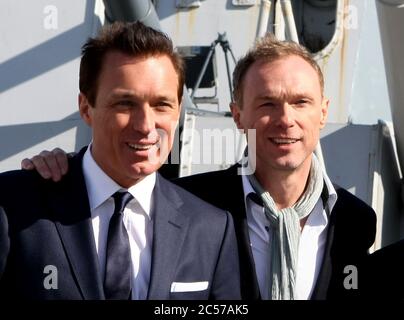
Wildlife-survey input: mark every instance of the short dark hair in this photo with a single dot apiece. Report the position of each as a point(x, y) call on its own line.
point(269, 49)
point(132, 38)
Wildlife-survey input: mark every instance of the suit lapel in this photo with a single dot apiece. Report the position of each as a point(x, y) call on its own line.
point(169, 230)
point(69, 201)
point(234, 198)
point(322, 285)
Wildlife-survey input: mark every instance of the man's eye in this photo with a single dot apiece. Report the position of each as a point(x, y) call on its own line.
point(126, 103)
point(268, 104)
point(163, 105)
point(301, 102)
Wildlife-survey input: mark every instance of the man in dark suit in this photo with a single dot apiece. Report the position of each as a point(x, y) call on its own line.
point(278, 92)
point(112, 227)
point(298, 235)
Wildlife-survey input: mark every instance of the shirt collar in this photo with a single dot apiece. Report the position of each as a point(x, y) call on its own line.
point(101, 187)
point(332, 194)
point(331, 198)
point(247, 187)
point(143, 192)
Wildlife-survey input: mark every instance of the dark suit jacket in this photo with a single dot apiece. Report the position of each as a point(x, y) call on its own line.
point(382, 274)
point(351, 232)
point(45, 223)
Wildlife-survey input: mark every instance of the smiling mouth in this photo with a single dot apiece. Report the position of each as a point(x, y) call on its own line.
point(141, 147)
point(281, 141)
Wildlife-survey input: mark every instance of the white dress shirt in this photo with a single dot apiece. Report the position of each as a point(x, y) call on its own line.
point(311, 244)
point(136, 218)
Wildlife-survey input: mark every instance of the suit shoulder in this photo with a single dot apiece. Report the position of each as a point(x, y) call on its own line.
point(348, 202)
point(201, 178)
point(22, 195)
point(356, 220)
point(200, 208)
point(389, 261)
point(20, 179)
point(393, 250)
point(210, 185)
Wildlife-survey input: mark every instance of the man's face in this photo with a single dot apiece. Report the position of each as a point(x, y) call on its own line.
point(134, 115)
point(283, 102)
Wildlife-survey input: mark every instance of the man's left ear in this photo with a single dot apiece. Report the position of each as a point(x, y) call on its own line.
point(324, 112)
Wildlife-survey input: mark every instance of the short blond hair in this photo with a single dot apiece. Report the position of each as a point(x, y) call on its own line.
point(270, 49)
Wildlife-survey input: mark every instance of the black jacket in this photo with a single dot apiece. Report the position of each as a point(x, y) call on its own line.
point(351, 232)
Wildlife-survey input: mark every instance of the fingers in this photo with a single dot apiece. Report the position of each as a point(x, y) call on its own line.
point(41, 166)
point(49, 164)
point(27, 164)
point(61, 159)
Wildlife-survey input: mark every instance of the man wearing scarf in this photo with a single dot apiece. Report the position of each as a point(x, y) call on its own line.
point(298, 234)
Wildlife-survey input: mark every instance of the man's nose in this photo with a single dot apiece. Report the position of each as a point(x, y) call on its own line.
point(143, 119)
point(285, 117)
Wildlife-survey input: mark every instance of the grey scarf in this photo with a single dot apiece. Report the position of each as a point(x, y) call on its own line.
point(285, 225)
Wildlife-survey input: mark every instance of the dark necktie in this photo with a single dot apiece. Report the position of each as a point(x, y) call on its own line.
point(118, 266)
